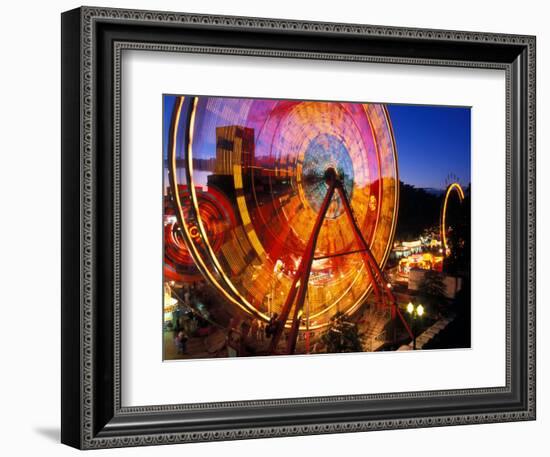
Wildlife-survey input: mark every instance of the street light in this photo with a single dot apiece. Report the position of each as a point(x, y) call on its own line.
point(414, 312)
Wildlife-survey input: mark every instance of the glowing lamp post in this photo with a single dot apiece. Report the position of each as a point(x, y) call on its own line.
point(414, 312)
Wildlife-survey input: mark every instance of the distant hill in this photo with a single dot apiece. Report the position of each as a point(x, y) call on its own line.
point(433, 191)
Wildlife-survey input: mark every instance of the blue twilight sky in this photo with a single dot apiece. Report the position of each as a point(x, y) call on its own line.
point(432, 142)
point(168, 102)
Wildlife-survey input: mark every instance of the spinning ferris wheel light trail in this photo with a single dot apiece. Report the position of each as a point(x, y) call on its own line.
point(456, 188)
point(290, 209)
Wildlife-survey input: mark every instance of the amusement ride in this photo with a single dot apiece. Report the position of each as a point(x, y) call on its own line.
point(287, 208)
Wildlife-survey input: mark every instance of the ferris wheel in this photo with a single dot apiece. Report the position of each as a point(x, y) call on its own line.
point(313, 192)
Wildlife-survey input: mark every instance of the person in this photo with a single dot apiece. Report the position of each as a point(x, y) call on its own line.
point(245, 328)
point(176, 315)
point(187, 297)
point(260, 331)
point(271, 326)
point(245, 348)
point(233, 323)
point(181, 342)
point(254, 329)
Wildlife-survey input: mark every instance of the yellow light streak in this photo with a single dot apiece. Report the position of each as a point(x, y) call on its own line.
point(452, 187)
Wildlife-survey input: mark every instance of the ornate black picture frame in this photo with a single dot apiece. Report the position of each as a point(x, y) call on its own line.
point(92, 42)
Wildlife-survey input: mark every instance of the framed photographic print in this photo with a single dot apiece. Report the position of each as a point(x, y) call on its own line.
point(275, 227)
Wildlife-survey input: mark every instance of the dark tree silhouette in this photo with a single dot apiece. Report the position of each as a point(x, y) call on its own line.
point(432, 291)
point(418, 210)
point(342, 335)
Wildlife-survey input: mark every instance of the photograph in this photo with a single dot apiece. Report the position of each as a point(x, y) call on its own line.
point(304, 227)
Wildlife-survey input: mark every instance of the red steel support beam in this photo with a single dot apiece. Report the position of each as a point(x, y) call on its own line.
point(371, 261)
point(299, 284)
point(297, 293)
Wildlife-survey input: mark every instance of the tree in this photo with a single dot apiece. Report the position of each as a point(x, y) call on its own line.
point(342, 335)
point(432, 290)
point(418, 211)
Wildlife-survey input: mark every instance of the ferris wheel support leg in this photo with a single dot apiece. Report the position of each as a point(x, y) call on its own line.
point(387, 299)
point(299, 285)
point(404, 321)
point(285, 311)
point(372, 265)
point(379, 297)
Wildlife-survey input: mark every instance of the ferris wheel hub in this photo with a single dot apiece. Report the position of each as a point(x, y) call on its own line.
point(331, 176)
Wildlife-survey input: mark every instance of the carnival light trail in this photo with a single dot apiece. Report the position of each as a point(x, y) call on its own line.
point(292, 203)
point(456, 188)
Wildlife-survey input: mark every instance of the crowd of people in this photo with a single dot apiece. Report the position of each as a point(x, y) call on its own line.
point(191, 318)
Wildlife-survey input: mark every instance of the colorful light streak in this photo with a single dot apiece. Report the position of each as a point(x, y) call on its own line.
point(454, 187)
point(275, 195)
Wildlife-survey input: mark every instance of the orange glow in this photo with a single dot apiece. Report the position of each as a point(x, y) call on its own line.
point(254, 268)
point(425, 261)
